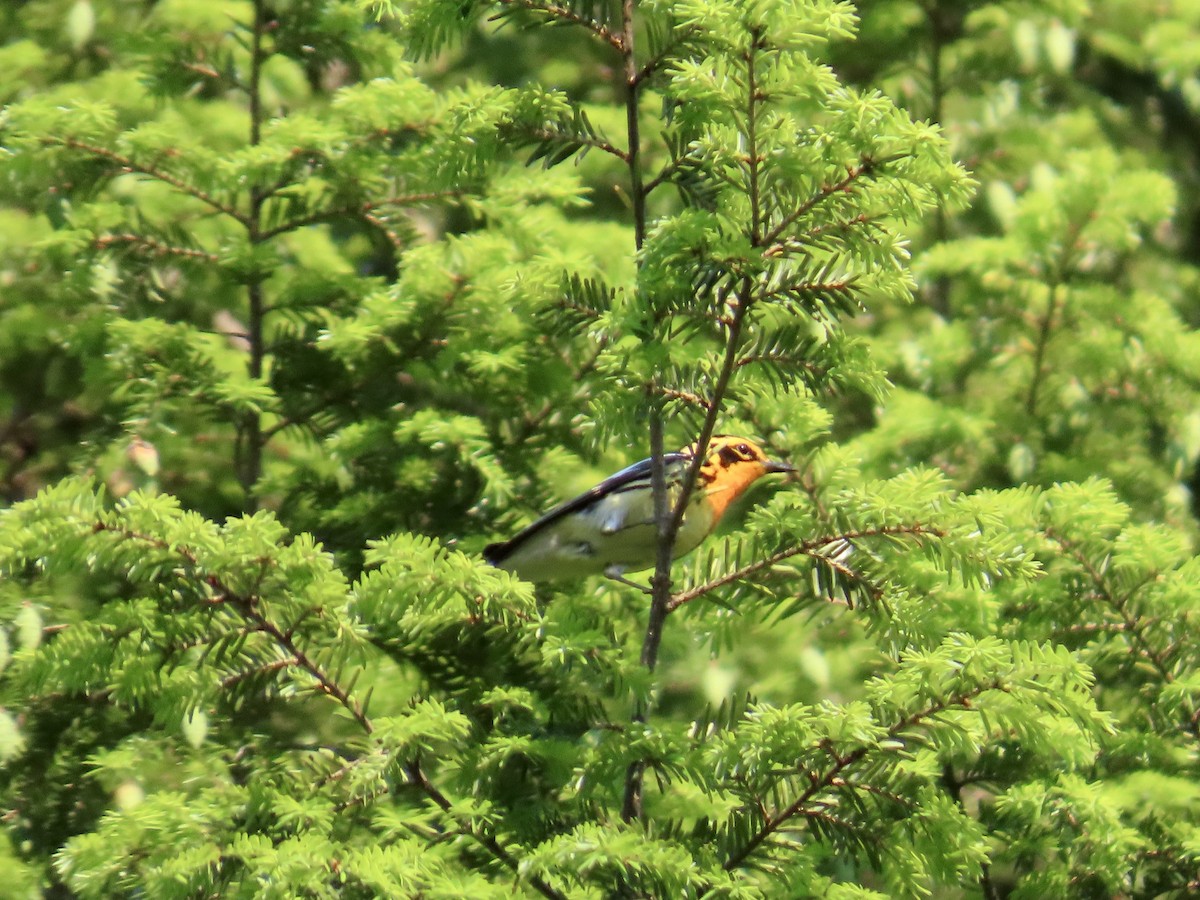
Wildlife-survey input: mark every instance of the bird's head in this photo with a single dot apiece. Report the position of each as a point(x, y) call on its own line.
point(732, 463)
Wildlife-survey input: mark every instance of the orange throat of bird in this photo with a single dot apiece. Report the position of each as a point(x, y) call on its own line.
point(722, 485)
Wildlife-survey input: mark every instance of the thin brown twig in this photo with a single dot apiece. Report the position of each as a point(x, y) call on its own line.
point(1130, 623)
point(152, 246)
point(782, 359)
point(393, 237)
point(631, 804)
point(809, 287)
point(803, 548)
point(275, 665)
point(565, 14)
point(842, 762)
point(360, 210)
point(418, 777)
point(1044, 331)
point(653, 64)
point(668, 169)
point(866, 166)
point(686, 396)
point(130, 165)
point(546, 134)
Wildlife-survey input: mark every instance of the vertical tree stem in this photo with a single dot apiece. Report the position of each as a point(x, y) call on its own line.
point(637, 190)
point(250, 437)
point(631, 807)
point(668, 517)
point(936, 17)
point(1045, 329)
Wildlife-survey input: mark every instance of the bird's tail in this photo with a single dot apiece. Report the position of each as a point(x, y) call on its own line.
point(496, 553)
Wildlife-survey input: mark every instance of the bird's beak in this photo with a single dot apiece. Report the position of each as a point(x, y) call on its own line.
point(772, 466)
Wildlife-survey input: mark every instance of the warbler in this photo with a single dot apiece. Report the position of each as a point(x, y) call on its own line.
point(611, 529)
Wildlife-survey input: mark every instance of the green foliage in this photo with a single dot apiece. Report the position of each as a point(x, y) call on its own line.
point(305, 304)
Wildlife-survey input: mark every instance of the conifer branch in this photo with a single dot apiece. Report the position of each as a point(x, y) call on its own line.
point(733, 339)
point(754, 159)
point(866, 167)
point(810, 487)
point(834, 776)
point(781, 359)
point(1057, 287)
point(660, 581)
point(660, 603)
point(130, 165)
point(598, 143)
point(152, 247)
point(418, 777)
point(664, 174)
point(566, 14)
point(393, 237)
point(1130, 623)
point(267, 668)
point(809, 288)
point(686, 396)
point(843, 227)
point(249, 607)
point(803, 548)
point(953, 784)
point(655, 62)
point(365, 211)
point(533, 421)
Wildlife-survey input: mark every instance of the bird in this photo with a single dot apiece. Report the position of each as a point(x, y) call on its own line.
point(610, 529)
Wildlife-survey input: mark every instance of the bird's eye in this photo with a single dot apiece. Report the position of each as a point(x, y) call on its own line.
point(743, 450)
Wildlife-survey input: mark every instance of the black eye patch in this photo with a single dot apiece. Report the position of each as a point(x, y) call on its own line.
point(729, 455)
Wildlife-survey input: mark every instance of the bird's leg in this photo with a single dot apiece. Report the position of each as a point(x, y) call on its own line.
point(614, 572)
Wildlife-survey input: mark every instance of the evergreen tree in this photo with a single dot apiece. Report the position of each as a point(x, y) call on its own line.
point(304, 303)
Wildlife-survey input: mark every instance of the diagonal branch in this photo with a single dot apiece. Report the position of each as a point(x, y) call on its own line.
point(806, 548)
point(546, 134)
point(566, 14)
point(130, 165)
point(834, 775)
point(418, 777)
point(866, 167)
point(358, 210)
point(653, 64)
point(249, 607)
point(152, 246)
point(1130, 623)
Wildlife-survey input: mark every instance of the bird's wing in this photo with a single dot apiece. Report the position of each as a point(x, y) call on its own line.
point(632, 477)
